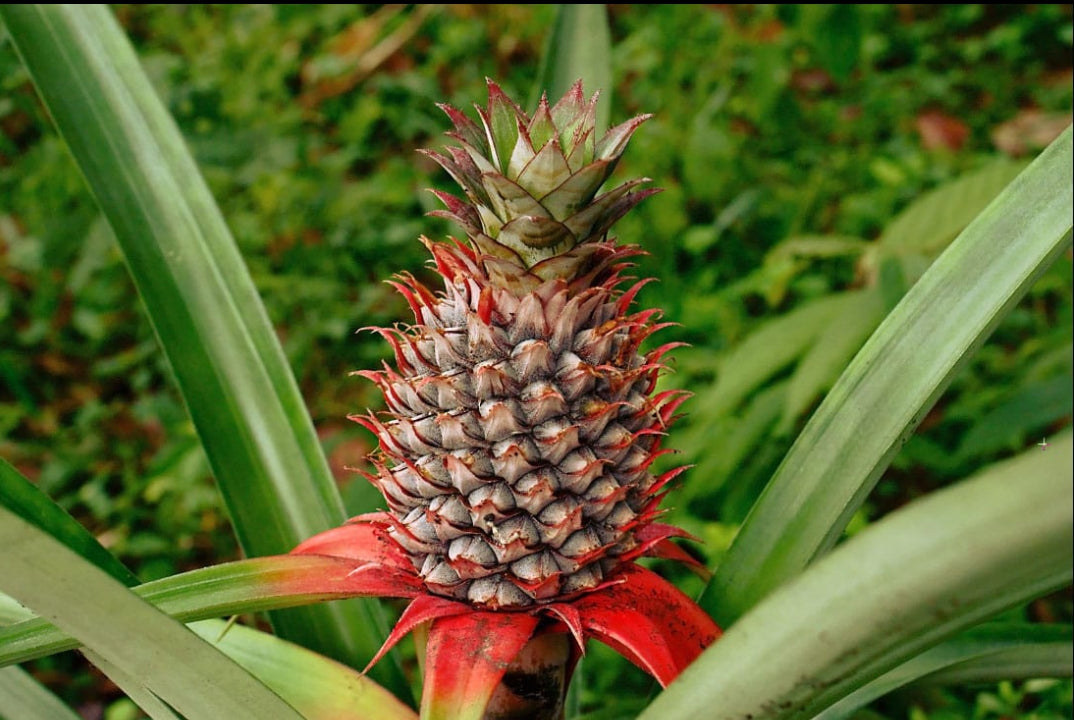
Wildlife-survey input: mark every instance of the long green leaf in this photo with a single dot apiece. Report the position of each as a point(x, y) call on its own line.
point(166, 658)
point(939, 565)
point(252, 585)
point(579, 48)
point(23, 698)
point(894, 380)
point(313, 684)
point(1020, 662)
point(991, 652)
point(24, 499)
point(319, 688)
point(316, 686)
point(203, 305)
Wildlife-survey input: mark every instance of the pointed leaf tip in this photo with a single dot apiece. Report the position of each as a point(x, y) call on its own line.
point(423, 608)
point(649, 621)
point(614, 142)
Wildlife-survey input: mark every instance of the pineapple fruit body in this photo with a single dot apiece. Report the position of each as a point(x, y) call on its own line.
point(522, 419)
point(515, 454)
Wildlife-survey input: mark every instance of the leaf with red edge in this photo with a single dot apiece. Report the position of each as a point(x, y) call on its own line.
point(242, 586)
point(362, 538)
point(667, 550)
point(379, 565)
point(649, 622)
point(654, 541)
point(423, 609)
point(567, 614)
point(466, 657)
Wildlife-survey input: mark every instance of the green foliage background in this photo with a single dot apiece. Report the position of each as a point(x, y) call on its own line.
point(786, 138)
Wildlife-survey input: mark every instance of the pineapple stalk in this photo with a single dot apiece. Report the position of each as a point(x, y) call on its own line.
point(534, 687)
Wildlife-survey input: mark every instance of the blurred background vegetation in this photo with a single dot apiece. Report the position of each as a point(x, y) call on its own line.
point(814, 160)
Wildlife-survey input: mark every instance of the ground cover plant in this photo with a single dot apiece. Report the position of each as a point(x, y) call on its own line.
point(815, 164)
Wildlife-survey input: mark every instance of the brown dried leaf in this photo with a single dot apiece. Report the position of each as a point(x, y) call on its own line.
point(1029, 131)
point(940, 131)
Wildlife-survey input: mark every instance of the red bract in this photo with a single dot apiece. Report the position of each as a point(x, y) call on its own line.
point(635, 611)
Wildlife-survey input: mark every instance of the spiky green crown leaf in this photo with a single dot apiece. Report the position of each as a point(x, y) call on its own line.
point(532, 183)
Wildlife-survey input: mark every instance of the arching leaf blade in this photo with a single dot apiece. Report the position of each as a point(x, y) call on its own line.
point(938, 566)
point(192, 676)
point(319, 688)
point(23, 498)
point(988, 653)
point(894, 380)
point(201, 300)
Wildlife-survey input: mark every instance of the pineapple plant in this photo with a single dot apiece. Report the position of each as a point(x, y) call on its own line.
point(490, 657)
point(515, 454)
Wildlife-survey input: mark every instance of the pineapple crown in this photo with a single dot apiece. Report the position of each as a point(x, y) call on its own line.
point(532, 182)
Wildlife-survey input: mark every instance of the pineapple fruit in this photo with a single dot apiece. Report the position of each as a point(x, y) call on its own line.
point(522, 421)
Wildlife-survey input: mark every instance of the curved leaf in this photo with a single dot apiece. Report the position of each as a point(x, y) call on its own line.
point(243, 586)
point(201, 300)
point(937, 566)
point(648, 621)
point(894, 380)
point(991, 652)
point(133, 688)
point(319, 688)
point(1024, 660)
point(24, 499)
point(129, 633)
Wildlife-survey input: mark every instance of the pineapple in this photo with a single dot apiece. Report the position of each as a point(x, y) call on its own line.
point(522, 419)
point(522, 424)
